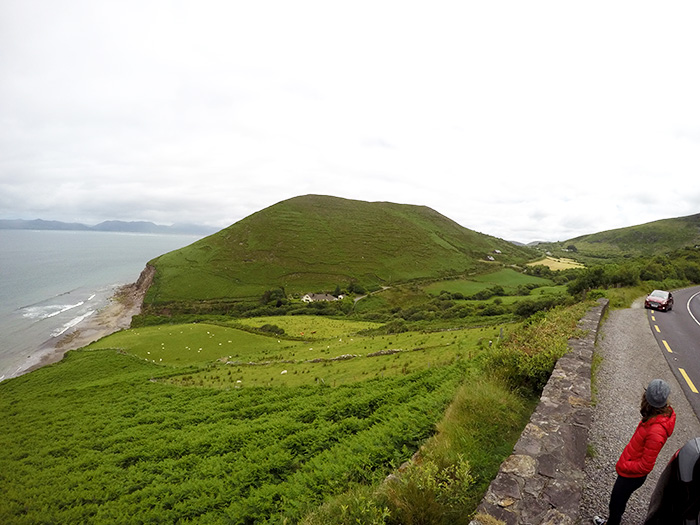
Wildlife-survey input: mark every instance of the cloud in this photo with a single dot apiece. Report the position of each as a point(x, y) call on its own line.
point(526, 121)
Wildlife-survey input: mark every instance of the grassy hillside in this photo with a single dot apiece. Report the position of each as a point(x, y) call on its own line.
point(120, 424)
point(94, 441)
point(315, 243)
point(148, 425)
point(648, 239)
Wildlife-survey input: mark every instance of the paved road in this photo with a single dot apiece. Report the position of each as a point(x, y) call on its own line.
point(678, 335)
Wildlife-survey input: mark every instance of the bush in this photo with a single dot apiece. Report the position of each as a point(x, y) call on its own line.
point(531, 306)
point(396, 327)
point(493, 309)
point(272, 329)
point(361, 505)
point(422, 493)
point(527, 357)
point(426, 493)
point(596, 294)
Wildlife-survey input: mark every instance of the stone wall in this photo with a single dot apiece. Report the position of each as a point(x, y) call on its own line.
point(542, 481)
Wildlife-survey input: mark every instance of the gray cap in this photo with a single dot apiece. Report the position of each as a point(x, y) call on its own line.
point(657, 393)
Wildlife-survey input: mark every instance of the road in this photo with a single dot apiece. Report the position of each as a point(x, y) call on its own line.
point(678, 335)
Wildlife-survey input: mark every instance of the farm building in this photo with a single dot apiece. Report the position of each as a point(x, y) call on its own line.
point(312, 297)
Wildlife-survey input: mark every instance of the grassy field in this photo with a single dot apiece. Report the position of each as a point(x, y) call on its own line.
point(223, 423)
point(117, 423)
point(333, 354)
point(508, 278)
point(100, 438)
point(558, 263)
point(311, 327)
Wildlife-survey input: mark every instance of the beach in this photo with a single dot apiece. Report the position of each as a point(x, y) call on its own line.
point(115, 316)
point(61, 290)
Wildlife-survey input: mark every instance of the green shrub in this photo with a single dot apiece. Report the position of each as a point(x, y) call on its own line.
point(362, 505)
point(272, 328)
point(527, 357)
point(427, 493)
point(444, 485)
point(493, 309)
point(396, 327)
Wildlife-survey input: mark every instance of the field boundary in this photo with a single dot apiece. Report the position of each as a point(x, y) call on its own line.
point(543, 480)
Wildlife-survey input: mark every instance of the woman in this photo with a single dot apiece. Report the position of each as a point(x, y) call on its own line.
point(639, 456)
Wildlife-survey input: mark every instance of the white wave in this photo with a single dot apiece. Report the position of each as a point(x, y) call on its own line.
point(91, 297)
point(66, 308)
point(45, 312)
point(70, 324)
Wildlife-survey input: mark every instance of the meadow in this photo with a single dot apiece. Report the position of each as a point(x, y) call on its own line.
point(333, 352)
point(557, 263)
point(116, 447)
point(161, 424)
point(507, 278)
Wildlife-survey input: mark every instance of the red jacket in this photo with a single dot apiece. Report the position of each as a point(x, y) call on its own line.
point(641, 452)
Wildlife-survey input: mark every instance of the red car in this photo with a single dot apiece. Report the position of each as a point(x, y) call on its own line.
point(659, 300)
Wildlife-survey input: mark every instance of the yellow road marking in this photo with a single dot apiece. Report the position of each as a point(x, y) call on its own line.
point(653, 318)
point(667, 347)
point(657, 328)
point(687, 380)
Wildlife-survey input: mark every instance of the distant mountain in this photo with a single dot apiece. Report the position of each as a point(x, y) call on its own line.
point(532, 244)
point(107, 226)
point(652, 238)
point(314, 243)
point(40, 224)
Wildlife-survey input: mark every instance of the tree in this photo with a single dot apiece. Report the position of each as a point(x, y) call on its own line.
point(275, 297)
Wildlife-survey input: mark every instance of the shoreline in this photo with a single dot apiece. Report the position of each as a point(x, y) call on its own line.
point(115, 316)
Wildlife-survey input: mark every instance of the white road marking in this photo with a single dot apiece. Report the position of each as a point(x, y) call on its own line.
point(688, 307)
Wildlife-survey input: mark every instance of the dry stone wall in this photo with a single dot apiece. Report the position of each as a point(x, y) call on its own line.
point(542, 481)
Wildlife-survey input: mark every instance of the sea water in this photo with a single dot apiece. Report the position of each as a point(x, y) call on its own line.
point(51, 281)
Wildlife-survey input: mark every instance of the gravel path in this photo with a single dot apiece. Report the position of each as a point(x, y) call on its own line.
point(631, 358)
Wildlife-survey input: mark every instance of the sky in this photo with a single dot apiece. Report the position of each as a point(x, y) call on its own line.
point(523, 120)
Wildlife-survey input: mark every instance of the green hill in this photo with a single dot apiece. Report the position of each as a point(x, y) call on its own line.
point(314, 243)
point(648, 239)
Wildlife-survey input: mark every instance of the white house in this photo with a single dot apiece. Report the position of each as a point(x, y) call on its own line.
point(312, 297)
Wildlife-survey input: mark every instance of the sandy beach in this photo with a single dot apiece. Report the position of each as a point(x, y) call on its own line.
point(117, 315)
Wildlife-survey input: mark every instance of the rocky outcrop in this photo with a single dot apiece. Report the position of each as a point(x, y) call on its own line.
point(143, 283)
point(542, 481)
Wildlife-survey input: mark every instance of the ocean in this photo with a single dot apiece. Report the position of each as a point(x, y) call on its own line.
point(51, 281)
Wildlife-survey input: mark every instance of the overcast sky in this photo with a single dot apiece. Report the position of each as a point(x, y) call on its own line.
point(524, 120)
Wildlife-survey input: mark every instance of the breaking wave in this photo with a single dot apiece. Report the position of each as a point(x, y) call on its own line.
point(70, 324)
point(45, 312)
